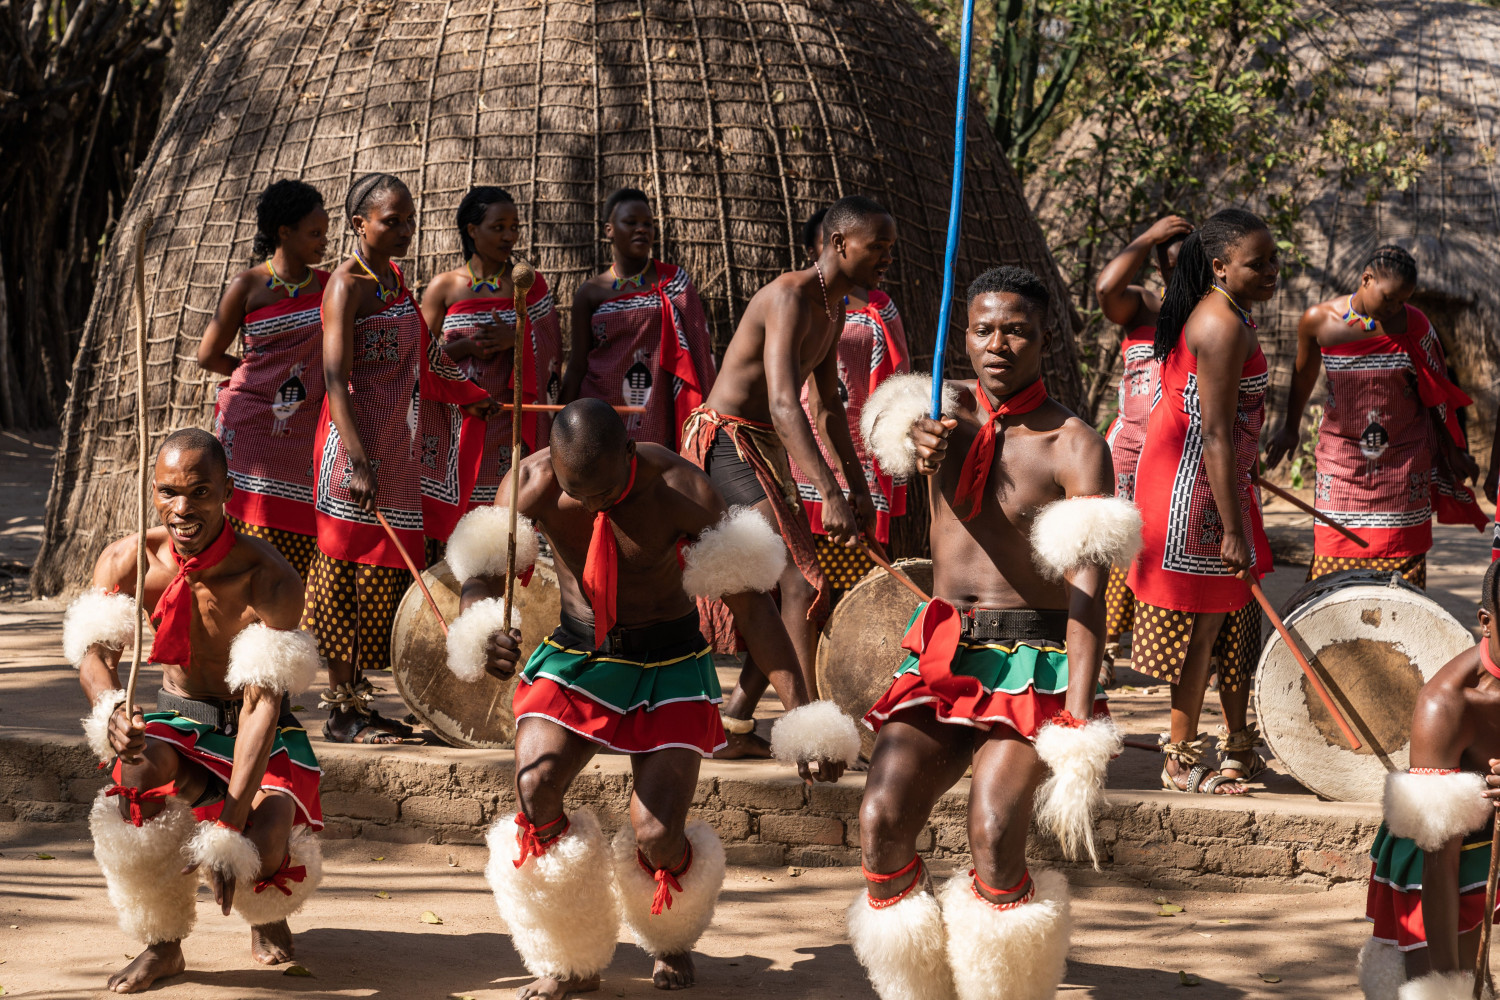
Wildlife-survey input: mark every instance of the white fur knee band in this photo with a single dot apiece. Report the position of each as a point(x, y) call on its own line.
point(97, 619)
point(96, 723)
point(740, 554)
point(143, 869)
point(1432, 809)
point(815, 731)
point(1079, 531)
point(269, 904)
point(1078, 759)
point(1441, 986)
point(218, 848)
point(889, 414)
point(273, 659)
point(480, 543)
point(1024, 948)
point(677, 928)
point(471, 631)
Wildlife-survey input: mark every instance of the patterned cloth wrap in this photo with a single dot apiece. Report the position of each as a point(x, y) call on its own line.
point(1394, 901)
point(395, 366)
point(1379, 468)
point(630, 702)
point(541, 382)
point(652, 348)
point(1179, 565)
point(1126, 435)
point(266, 414)
point(1018, 683)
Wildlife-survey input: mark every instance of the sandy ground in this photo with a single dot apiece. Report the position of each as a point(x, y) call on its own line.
point(773, 936)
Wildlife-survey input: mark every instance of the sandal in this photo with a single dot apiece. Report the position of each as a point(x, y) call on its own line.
point(1107, 664)
point(1189, 754)
point(364, 733)
point(1237, 752)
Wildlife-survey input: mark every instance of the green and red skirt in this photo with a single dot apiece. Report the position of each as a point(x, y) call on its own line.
point(632, 702)
point(1394, 902)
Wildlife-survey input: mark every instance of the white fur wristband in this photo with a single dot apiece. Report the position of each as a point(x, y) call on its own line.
point(97, 619)
point(1082, 531)
point(226, 851)
point(480, 544)
point(815, 731)
point(1078, 759)
point(741, 554)
point(273, 659)
point(96, 723)
point(470, 633)
point(889, 414)
point(1432, 809)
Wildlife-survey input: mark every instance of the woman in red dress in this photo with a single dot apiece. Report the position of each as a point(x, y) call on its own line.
point(1202, 529)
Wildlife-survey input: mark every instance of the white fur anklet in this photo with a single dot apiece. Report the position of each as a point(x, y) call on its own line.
point(815, 731)
point(1078, 758)
point(97, 619)
point(1442, 986)
point(216, 847)
point(681, 922)
point(143, 869)
point(274, 899)
point(559, 907)
point(1019, 953)
point(1432, 809)
point(903, 945)
point(470, 632)
point(1381, 970)
point(96, 723)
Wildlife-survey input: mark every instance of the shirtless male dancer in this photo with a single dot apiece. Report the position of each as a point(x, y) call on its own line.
point(753, 418)
point(1003, 665)
point(638, 534)
point(222, 775)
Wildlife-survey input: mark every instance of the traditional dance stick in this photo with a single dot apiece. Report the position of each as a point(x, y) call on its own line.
point(1307, 670)
point(1308, 508)
point(1482, 960)
point(421, 584)
point(555, 407)
point(955, 209)
point(878, 557)
point(521, 278)
point(142, 444)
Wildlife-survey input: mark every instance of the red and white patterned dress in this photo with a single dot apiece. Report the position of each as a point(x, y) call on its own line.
point(1127, 432)
point(652, 348)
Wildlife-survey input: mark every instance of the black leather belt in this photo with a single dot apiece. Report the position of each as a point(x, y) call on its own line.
point(1015, 624)
point(663, 639)
point(223, 715)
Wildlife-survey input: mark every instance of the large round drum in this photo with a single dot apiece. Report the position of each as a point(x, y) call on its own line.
point(476, 715)
point(861, 644)
point(1375, 640)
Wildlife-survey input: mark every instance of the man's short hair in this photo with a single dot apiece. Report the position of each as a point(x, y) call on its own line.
point(587, 430)
point(1014, 280)
point(812, 229)
point(851, 211)
point(197, 441)
point(622, 196)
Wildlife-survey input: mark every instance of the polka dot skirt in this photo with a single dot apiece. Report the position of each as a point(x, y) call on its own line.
point(1413, 569)
point(1160, 644)
point(295, 548)
point(1119, 604)
point(842, 567)
point(350, 610)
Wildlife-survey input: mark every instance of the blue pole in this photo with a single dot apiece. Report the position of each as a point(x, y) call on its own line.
point(955, 209)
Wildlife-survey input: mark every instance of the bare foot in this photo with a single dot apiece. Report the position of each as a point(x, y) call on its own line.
point(743, 745)
point(157, 962)
point(673, 972)
point(271, 944)
point(547, 988)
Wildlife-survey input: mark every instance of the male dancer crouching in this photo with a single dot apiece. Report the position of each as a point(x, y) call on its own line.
point(222, 775)
point(638, 534)
point(1003, 665)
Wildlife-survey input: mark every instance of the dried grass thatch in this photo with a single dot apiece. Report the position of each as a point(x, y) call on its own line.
point(740, 117)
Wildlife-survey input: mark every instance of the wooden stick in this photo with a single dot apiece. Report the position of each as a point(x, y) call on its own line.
point(878, 557)
point(521, 278)
point(143, 443)
point(413, 567)
point(1138, 745)
point(555, 407)
point(1482, 960)
point(1307, 670)
point(1308, 508)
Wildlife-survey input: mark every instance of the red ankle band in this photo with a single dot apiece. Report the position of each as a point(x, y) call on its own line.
point(1025, 898)
point(281, 876)
point(136, 796)
point(880, 904)
point(666, 878)
point(879, 879)
point(530, 839)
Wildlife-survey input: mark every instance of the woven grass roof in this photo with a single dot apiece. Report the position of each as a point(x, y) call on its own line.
point(739, 117)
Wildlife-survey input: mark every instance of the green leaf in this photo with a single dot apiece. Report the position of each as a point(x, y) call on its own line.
point(1166, 907)
point(1186, 978)
point(44, 857)
point(298, 970)
point(382, 894)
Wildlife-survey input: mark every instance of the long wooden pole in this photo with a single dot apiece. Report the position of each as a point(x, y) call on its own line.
point(143, 444)
point(1482, 960)
point(521, 278)
point(1308, 508)
point(421, 584)
point(878, 557)
point(556, 407)
point(1307, 670)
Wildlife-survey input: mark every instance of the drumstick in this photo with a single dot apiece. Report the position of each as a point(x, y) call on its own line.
point(1482, 960)
point(1307, 670)
point(521, 278)
point(877, 556)
point(413, 567)
point(1308, 508)
point(142, 443)
point(555, 407)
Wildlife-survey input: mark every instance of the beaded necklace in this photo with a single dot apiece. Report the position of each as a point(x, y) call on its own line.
point(1244, 314)
point(1353, 317)
point(479, 284)
point(277, 281)
point(824, 286)
point(630, 281)
point(386, 294)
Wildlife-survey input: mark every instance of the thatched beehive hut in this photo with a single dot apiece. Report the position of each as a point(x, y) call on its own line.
point(740, 117)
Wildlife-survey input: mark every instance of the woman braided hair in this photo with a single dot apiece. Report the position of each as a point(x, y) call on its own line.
point(1193, 277)
point(362, 190)
point(284, 203)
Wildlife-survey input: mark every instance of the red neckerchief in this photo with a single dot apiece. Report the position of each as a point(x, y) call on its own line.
point(601, 567)
point(1488, 661)
point(976, 468)
point(281, 876)
point(174, 612)
point(135, 796)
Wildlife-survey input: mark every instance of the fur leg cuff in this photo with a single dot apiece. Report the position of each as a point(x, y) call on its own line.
point(480, 543)
point(1018, 954)
point(1078, 758)
point(143, 869)
point(1441, 986)
point(889, 414)
point(96, 723)
point(1432, 809)
point(97, 619)
point(559, 907)
point(1382, 970)
point(218, 848)
point(1073, 533)
point(271, 900)
point(815, 731)
point(470, 632)
point(903, 946)
point(678, 927)
point(740, 554)
point(276, 660)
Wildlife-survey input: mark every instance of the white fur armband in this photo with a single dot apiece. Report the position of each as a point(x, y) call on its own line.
point(274, 659)
point(740, 554)
point(815, 731)
point(480, 543)
point(1077, 758)
point(886, 421)
point(225, 851)
point(96, 723)
point(97, 618)
point(469, 633)
point(1432, 809)
point(1072, 533)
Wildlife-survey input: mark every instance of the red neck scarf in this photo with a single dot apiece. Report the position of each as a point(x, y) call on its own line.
point(174, 612)
point(1487, 660)
point(601, 568)
point(976, 468)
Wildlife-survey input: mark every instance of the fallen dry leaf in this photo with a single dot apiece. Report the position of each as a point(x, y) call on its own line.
point(452, 863)
point(297, 970)
point(44, 857)
point(1186, 978)
point(1266, 977)
point(795, 871)
point(428, 917)
point(382, 857)
point(382, 894)
point(1166, 909)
